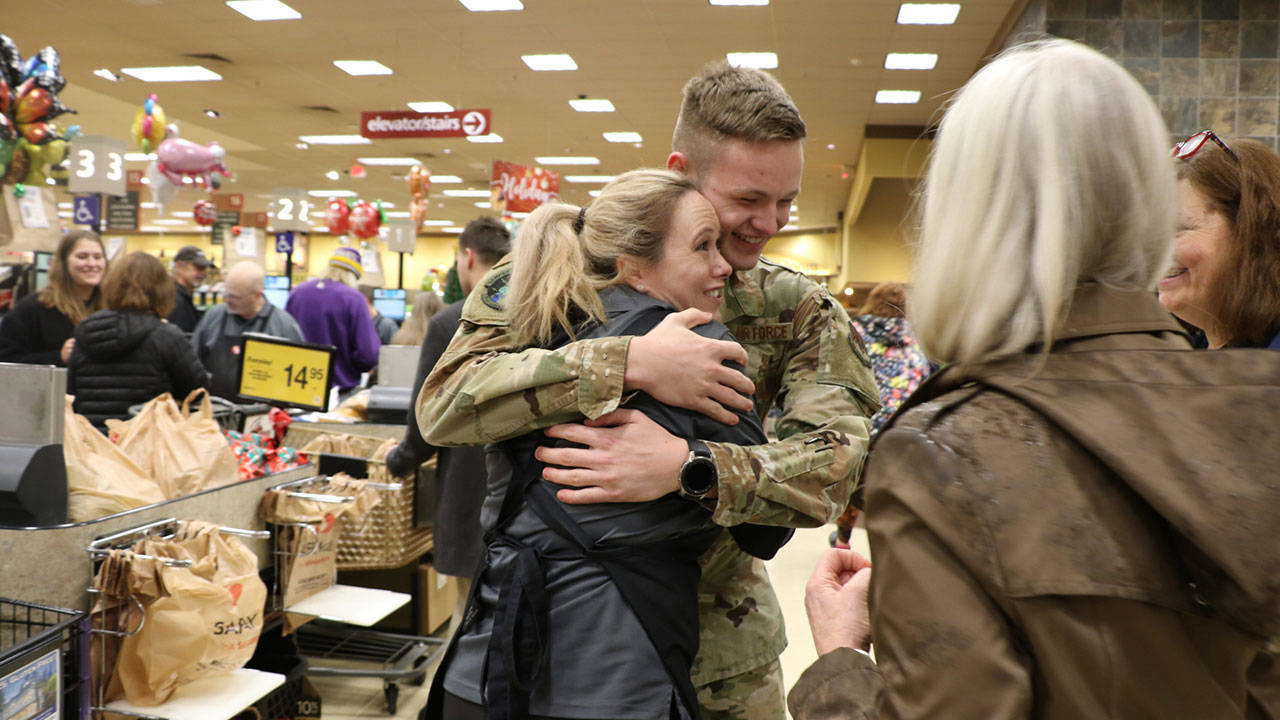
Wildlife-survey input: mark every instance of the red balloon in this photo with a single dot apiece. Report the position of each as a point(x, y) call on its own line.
point(33, 106)
point(204, 212)
point(337, 216)
point(365, 220)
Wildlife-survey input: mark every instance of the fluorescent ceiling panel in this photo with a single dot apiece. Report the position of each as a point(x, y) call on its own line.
point(928, 13)
point(549, 63)
point(106, 74)
point(897, 97)
point(592, 105)
point(454, 229)
point(567, 160)
point(758, 60)
point(362, 67)
point(173, 73)
point(389, 161)
point(589, 178)
point(490, 138)
point(427, 106)
point(467, 193)
point(139, 157)
point(910, 61)
point(445, 179)
point(260, 10)
point(484, 205)
point(335, 139)
point(739, 2)
point(491, 5)
point(437, 222)
point(331, 193)
point(623, 137)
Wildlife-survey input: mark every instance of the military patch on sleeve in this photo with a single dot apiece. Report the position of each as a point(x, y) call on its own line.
point(859, 346)
point(765, 332)
point(494, 292)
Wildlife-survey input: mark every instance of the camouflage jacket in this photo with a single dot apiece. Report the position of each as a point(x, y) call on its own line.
point(803, 355)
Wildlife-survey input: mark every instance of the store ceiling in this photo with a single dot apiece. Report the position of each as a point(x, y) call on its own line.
point(636, 53)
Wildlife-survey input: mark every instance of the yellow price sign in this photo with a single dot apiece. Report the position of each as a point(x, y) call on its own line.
point(286, 372)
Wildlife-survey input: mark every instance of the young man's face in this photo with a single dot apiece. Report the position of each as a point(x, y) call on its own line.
point(751, 185)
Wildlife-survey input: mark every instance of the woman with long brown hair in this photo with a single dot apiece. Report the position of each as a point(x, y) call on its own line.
point(38, 329)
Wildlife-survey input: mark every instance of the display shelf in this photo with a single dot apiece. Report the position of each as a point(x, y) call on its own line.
point(214, 698)
point(351, 605)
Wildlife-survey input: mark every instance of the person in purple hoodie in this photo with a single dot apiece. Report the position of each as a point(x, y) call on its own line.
point(332, 312)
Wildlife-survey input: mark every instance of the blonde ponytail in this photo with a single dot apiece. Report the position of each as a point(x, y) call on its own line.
point(550, 280)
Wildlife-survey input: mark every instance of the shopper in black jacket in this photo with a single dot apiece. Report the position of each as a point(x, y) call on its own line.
point(126, 354)
point(38, 329)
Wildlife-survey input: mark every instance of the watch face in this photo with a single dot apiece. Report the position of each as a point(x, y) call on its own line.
point(698, 476)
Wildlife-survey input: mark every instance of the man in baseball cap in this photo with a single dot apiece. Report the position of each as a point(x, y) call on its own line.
point(189, 267)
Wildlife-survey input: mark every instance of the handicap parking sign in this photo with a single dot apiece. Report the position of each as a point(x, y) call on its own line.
point(87, 210)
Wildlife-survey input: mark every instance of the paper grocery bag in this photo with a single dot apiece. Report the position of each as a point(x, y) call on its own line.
point(101, 480)
point(200, 621)
point(183, 452)
point(211, 447)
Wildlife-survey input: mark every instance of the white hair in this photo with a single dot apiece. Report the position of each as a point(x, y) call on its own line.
point(1051, 169)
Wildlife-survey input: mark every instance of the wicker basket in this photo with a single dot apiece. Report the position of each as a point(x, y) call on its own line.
point(385, 537)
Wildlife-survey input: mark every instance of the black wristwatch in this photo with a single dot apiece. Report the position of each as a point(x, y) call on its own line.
point(698, 476)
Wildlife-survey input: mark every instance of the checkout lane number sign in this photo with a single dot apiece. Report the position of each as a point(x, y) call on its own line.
point(285, 372)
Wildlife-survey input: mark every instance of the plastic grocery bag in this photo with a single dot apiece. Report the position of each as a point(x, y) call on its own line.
point(201, 621)
point(101, 480)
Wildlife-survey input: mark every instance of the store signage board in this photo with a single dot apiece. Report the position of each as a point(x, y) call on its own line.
point(383, 124)
point(402, 236)
point(285, 372)
point(522, 188)
point(122, 212)
point(292, 211)
point(96, 165)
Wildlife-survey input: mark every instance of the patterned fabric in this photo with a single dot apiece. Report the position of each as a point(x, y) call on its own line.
point(896, 360)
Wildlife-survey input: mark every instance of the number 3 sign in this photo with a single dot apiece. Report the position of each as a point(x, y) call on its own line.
point(96, 165)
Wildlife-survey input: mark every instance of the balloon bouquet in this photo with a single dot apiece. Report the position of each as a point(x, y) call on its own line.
point(29, 141)
point(419, 186)
point(363, 219)
point(176, 158)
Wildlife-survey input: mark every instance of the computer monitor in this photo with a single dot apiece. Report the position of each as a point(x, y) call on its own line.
point(390, 302)
point(275, 288)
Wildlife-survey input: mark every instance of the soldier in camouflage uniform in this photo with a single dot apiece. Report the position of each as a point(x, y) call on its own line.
point(739, 136)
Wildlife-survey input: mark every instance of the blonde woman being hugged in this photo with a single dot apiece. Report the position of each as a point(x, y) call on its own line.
point(591, 610)
point(38, 330)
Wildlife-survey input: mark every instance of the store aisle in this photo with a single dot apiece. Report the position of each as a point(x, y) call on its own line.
point(350, 698)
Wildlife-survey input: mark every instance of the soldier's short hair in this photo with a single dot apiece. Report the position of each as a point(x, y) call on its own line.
point(723, 102)
point(488, 238)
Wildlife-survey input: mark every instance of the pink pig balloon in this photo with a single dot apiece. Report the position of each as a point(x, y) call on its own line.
point(177, 157)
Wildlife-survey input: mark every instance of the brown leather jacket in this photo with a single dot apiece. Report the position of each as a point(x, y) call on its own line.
point(1096, 539)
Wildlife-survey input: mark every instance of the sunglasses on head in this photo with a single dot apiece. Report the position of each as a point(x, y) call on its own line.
point(1185, 149)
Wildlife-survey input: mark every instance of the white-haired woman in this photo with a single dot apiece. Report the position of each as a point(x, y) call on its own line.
point(1074, 519)
point(591, 611)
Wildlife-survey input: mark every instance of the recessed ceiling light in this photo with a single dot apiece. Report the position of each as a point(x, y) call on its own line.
point(437, 222)
point(302, 146)
point(589, 178)
point(631, 137)
point(739, 2)
point(831, 146)
point(139, 157)
point(106, 74)
point(331, 193)
point(591, 105)
point(390, 161)
point(566, 160)
point(212, 113)
point(491, 5)
point(259, 10)
point(467, 193)
point(546, 63)
point(333, 175)
point(427, 106)
point(910, 61)
point(484, 205)
point(760, 60)
point(362, 67)
point(928, 13)
point(335, 139)
point(594, 193)
point(174, 73)
point(445, 179)
point(490, 138)
point(897, 97)
point(145, 180)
